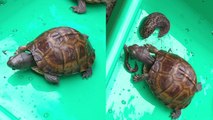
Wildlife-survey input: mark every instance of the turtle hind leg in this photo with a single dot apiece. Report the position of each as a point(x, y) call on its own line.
point(51, 78)
point(175, 114)
point(198, 86)
point(87, 73)
point(80, 8)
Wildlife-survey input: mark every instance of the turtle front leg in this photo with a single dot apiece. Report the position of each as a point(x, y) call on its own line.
point(87, 73)
point(80, 8)
point(21, 49)
point(138, 77)
point(151, 48)
point(144, 76)
point(51, 78)
point(175, 114)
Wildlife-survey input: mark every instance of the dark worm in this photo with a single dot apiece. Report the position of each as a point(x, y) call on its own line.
point(153, 21)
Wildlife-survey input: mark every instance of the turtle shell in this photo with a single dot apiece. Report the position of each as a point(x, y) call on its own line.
point(62, 50)
point(172, 80)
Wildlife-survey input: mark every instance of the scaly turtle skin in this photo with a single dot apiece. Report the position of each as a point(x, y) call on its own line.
point(153, 21)
point(170, 77)
point(58, 51)
point(81, 7)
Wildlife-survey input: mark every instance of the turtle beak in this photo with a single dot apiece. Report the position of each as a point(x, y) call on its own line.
point(10, 63)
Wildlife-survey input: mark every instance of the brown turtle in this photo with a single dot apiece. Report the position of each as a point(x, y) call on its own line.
point(169, 76)
point(58, 51)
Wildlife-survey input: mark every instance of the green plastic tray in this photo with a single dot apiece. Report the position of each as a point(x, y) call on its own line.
point(25, 95)
point(190, 36)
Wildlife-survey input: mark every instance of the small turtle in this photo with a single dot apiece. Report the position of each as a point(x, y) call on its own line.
point(58, 51)
point(153, 21)
point(169, 76)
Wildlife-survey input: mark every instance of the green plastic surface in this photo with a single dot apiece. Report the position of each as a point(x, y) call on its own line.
point(190, 36)
point(25, 95)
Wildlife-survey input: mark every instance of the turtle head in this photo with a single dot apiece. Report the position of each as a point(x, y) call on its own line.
point(21, 61)
point(140, 53)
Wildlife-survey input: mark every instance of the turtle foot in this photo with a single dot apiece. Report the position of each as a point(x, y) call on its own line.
point(51, 78)
point(81, 8)
point(199, 86)
point(137, 78)
point(175, 114)
point(87, 73)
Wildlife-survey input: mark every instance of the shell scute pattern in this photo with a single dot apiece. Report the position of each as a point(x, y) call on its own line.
point(172, 79)
point(61, 51)
point(56, 52)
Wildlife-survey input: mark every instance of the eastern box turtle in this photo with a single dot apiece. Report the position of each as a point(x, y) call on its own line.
point(58, 51)
point(169, 76)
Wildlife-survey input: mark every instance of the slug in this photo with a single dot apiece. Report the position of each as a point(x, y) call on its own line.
point(153, 21)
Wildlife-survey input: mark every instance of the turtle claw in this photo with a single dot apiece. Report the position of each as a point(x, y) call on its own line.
point(175, 114)
point(51, 78)
point(78, 10)
point(81, 8)
point(199, 86)
point(87, 73)
point(21, 49)
point(151, 48)
point(137, 77)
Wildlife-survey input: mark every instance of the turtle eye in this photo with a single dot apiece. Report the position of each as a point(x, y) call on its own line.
point(134, 53)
